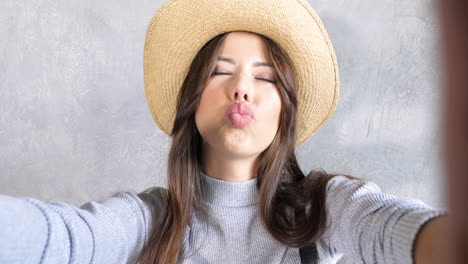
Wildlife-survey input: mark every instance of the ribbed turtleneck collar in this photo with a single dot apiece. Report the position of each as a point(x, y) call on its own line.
point(229, 194)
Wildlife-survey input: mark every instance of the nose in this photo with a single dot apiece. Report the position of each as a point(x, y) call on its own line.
point(241, 95)
point(241, 91)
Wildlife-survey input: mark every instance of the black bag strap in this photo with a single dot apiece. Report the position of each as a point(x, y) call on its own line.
point(309, 255)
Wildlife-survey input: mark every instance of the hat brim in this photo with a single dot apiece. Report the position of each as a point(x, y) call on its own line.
point(179, 29)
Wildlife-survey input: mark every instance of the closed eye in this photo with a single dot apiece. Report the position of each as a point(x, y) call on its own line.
point(221, 73)
point(262, 79)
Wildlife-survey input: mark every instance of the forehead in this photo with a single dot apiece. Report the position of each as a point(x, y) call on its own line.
point(244, 45)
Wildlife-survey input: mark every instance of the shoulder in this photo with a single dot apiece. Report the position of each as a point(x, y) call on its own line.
point(354, 187)
point(135, 208)
point(155, 198)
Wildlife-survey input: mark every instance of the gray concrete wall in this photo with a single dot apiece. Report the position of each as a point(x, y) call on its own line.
point(74, 124)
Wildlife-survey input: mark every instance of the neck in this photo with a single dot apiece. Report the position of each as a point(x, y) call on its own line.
point(228, 168)
point(230, 194)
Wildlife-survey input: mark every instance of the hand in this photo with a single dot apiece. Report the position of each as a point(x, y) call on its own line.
point(432, 243)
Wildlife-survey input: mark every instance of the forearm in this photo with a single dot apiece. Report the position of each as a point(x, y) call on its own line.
point(111, 231)
point(432, 243)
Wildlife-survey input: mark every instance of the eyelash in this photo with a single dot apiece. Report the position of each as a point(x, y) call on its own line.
point(225, 73)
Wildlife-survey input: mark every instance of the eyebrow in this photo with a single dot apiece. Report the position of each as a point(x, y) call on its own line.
point(256, 64)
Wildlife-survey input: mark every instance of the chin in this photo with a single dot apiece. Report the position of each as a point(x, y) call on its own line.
point(236, 143)
point(235, 147)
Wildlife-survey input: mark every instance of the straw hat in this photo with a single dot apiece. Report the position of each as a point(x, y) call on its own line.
point(180, 28)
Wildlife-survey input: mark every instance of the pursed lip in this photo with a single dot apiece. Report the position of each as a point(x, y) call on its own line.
point(241, 109)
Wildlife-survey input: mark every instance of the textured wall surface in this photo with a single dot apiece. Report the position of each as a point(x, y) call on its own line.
point(74, 124)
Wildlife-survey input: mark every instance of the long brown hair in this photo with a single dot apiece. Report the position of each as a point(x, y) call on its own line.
point(291, 205)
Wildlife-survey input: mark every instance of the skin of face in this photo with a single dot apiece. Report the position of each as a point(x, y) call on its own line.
point(228, 151)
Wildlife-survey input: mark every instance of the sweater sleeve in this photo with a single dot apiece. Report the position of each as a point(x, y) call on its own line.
point(111, 231)
point(370, 226)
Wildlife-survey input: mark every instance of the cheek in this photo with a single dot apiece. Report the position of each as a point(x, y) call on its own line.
point(206, 108)
point(271, 112)
point(273, 109)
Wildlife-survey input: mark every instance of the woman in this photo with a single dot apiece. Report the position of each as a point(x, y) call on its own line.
point(235, 193)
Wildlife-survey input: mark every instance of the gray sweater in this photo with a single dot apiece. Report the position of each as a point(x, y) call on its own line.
point(366, 225)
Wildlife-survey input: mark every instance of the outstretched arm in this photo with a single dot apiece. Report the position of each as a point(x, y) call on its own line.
point(112, 231)
point(372, 226)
